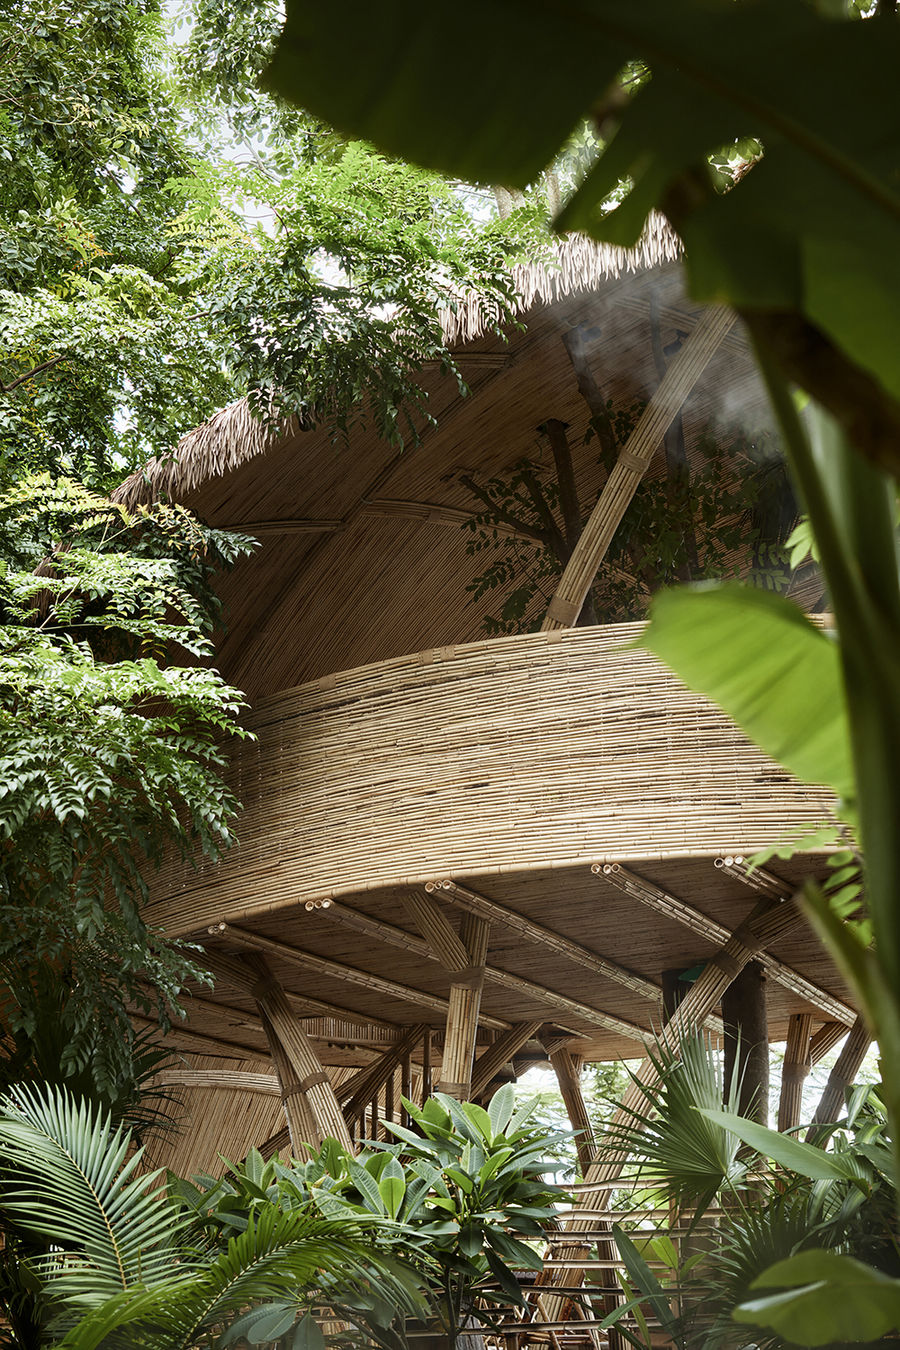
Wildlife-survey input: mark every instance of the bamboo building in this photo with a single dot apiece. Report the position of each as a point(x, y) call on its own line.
point(464, 854)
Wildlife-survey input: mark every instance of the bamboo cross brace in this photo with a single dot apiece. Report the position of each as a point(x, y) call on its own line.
point(308, 1094)
point(844, 1072)
point(569, 1080)
point(767, 921)
point(825, 1039)
point(388, 932)
point(362, 1087)
point(797, 1064)
point(462, 1014)
point(631, 465)
point(500, 1052)
point(663, 902)
point(349, 974)
point(445, 943)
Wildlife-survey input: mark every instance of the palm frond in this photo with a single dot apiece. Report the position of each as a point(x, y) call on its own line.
point(69, 1181)
point(673, 1146)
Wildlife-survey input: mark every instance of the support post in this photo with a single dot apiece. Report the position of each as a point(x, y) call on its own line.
point(568, 1075)
point(465, 1004)
point(309, 1100)
point(745, 1015)
point(796, 1067)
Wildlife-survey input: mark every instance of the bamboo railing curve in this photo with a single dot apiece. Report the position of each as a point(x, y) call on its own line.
point(522, 753)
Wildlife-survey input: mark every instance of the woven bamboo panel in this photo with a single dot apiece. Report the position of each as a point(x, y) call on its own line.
point(539, 751)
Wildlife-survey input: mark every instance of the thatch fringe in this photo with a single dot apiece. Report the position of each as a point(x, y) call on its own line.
point(234, 435)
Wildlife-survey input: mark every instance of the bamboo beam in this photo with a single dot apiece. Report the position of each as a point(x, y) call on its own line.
point(388, 932)
point(362, 1087)
point(631, 465)
point(663, 902)
point(462, 1014)
point(465, 898)
point(234, 1048)
point(796, 1067)
point(567, 1075)
point(231, 969)
point(309, 1098)
point(766, 923)
point(500, 1052)
point(844, 1072)
point(231, 1080)
point(825, 1039)
point(243, 937)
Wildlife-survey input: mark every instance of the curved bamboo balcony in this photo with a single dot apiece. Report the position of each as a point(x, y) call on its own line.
point(542, 751)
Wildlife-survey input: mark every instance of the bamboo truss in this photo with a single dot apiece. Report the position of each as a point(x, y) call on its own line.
point(711, 931)
point(768, 921)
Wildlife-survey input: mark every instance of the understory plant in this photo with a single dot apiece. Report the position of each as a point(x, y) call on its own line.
point(461, 1197)
point(98, 1252)
point(746, 1200)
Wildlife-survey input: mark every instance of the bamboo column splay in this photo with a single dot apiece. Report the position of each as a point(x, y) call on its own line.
point(631, 465)
point(500, 1052)
point(465, 1004)
point(844, 1072)
point(309, 1098)
point(767, 921)
point(797, 1064)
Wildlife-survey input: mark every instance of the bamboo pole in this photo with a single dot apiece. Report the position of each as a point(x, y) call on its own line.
point(231, 1080)
point(500, 1052)
point(796, 1067)
point(231, 969)
point(445, 943)
point(465, 898)
point(745, 1015)
point(388, 932)
point(663, 902)
point(309, 1098)
point(768, 921)
point(568, 1076)
point(825, 1039)
point(844, 1072)
point(363, 1086)
point(349, 974)
point(462, 1014)
point(631, 465)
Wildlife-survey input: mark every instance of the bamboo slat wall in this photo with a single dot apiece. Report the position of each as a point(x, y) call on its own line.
point(539, 751)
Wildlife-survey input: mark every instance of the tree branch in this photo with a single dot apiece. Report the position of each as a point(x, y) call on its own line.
point(520, 526)
point(556, 538)
point(555, 431)
point(29, 375)
point(575, 343)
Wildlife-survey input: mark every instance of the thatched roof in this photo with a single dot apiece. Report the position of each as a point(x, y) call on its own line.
point(234, 435)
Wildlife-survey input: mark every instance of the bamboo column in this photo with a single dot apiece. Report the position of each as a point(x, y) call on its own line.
point(745, 1015)
point(766, 922)
point(462, 1015)
point(567, 1070)
point(310, 1103)
point(631, 465)
point(500, 1052)
point(844, 1072)
point(796, 1067)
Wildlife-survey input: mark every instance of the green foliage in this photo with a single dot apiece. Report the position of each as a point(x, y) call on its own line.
point(461, 1198)
point(110, 753)
point(836, 1195)
point(110, 1257)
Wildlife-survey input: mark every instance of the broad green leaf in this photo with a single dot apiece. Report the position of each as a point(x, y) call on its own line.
point(787, 1151)
point(392, 1186)
point(308, 1335)
point(646, 1281)
point(760, 659)
point(500, 1107)
point(831, 1298)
